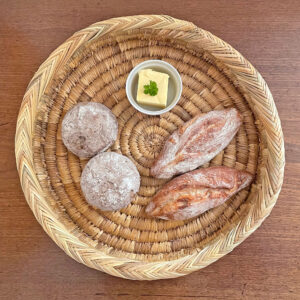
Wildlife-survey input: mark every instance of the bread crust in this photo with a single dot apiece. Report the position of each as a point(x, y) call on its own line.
point(196, 142)
point(195, 192)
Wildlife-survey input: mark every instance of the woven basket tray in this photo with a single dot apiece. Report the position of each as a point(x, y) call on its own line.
point(93, 65)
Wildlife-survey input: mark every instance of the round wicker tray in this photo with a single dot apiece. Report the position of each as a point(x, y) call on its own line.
point(93, 65)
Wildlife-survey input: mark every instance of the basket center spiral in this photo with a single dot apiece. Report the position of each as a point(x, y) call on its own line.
point(152, 143)
point(98, 72)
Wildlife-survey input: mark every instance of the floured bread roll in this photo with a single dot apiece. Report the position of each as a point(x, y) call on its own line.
point(109, 181)
point(89, 128)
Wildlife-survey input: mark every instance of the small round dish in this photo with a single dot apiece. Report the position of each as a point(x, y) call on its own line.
point(174, 86)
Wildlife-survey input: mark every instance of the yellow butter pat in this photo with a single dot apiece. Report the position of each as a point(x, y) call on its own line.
point(161, 79)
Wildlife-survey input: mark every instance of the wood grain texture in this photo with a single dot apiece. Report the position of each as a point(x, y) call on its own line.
point(266, 266)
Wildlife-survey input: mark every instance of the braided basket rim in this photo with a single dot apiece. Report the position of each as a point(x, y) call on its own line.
point(261, 102)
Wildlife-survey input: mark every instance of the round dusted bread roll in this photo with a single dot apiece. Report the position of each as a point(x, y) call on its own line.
point(109, 181)
point(89, 128)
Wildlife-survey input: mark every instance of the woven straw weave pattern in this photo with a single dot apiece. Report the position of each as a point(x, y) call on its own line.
point(93, 65)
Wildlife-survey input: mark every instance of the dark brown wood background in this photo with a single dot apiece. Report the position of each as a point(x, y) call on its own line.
point(265, 266)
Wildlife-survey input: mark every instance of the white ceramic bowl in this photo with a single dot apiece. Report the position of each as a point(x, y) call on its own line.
point(174, 86)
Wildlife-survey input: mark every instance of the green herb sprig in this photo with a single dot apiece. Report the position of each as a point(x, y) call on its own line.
point(151, 88)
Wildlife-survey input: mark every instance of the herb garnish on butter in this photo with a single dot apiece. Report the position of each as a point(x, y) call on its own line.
point(151, 88)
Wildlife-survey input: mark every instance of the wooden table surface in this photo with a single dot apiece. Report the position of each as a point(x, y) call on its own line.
point(265, 266)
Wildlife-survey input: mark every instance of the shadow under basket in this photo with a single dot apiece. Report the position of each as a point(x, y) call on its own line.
point(93, 65)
